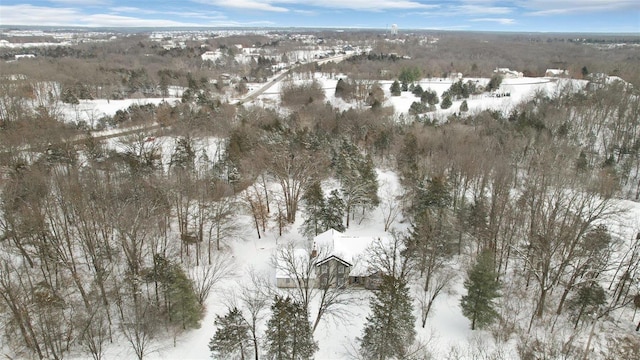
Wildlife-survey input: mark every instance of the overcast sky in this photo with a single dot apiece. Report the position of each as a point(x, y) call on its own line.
point(470, 15)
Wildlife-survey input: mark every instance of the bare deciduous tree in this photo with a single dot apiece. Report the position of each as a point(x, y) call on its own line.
point(300, 265)
point(206, 277)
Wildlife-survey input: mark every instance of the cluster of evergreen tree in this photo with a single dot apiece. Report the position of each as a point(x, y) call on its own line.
point(419, 108)
point(322, 213)
point(288, 335)
point(389, 330)
point(231, 339)
point(409, 75)
point(482, 288)
point(428, 100)
point(494, 83)
point(358, 179)
point(181, 303)
point(460, 90)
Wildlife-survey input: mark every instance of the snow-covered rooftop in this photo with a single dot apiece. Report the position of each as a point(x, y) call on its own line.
point(352, 249)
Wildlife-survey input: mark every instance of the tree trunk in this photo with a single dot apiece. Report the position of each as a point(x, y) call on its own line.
point(473, 322)
point(579, 316)
point(588, 347)
point(566, 291)
point(348, 211)
point(266, 193)
point(541, 301)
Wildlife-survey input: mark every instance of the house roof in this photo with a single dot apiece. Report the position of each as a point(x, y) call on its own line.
point(349, 249)
point(556, 72)
point(301, 260)
point(333, 257)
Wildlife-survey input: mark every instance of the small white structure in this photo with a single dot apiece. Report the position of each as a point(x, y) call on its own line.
point(394, 29)
point(25, 56)
point(556, 73)
point(455, 76)
point(508, 73)
point(211, 55)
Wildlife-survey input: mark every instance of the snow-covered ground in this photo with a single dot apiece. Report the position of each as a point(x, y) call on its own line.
point(446, 328)
point(519, 89)
point(447, 331)
point(90, 111)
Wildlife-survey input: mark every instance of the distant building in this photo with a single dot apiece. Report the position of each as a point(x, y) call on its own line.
point(556, 73)
point(455, 75)
point(394, 29)
point(508, 73)
point(212, 55)
point(25, 56)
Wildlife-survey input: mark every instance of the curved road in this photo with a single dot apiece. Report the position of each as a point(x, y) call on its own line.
point(102, 135)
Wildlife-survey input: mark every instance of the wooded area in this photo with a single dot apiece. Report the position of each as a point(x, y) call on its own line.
point(124, 241)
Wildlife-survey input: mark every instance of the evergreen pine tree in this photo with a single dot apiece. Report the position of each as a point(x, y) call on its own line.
point(389, 330)
point(289, 335)
point(357, 176)
point(184, 154)
point(232, 339)
point(184, 308)
point(417, 90)
point(482, 289)
point(333, 212)
point(430, 97)
point(340, 88)
point(585, 72)
point(464, 107)
point(446, 102)
point(417, 108)
point(582, 164)
point(369, 176)
point(395, 89)
point(180, 300)
point(313, 199)
point(494, 83)
point(587, 300)
point(69, 97)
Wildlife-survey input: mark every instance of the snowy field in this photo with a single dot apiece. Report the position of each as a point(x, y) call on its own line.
point(90, 111)
point(520, 90)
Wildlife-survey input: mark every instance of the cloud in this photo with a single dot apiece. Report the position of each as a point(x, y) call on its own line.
point(370, 5)
point(32, 15)
point(279, 5)
point(467, 7)
point(259, 5)
point(478, 9)
point(557, 7)
point(51, 16)
point(82, 2)
point(207, 15)
point(501, 21)
point(109, 20)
